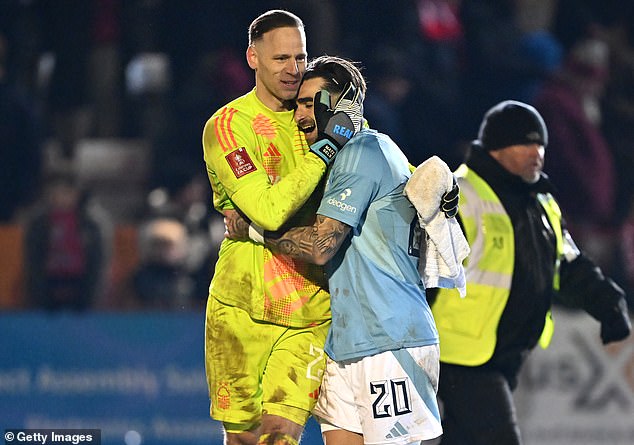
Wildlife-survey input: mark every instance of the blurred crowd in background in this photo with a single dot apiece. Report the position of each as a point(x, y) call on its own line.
point(102, 105)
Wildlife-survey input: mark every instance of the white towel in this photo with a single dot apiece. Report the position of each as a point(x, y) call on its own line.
point(446, 247)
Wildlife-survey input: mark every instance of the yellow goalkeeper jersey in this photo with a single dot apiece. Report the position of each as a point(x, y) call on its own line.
point(258, 161)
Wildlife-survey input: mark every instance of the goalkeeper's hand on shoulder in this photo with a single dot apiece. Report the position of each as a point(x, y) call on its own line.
point(335, 127)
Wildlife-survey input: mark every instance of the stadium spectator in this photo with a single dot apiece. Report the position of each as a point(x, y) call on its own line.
point(20, 143)
point(580, 161)
point(67, 246)
point(512, 67)
point(66, 36)
point(161, 280)
point(386, 104)
point(188, 202)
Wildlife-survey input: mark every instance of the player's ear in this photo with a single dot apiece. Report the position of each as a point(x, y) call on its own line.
point(252, 57)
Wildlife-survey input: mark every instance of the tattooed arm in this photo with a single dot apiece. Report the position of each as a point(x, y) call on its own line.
point(314, 244)
point(236, 225)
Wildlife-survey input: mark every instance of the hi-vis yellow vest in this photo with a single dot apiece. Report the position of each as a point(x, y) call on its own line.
point(468, 326)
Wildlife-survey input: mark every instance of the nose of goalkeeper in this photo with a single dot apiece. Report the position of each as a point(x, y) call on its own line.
point(305, 112)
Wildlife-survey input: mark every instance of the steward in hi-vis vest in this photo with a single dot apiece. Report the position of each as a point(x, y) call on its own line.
point(522, 259)
point(469, 329)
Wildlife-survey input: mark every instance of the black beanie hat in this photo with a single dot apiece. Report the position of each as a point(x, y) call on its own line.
point(511, 123)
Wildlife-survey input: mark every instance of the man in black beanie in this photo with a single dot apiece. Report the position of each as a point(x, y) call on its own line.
point(511, 123)
point(522, 258)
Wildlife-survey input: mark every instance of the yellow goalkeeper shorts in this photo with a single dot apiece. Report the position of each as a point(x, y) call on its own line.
point(256, 368)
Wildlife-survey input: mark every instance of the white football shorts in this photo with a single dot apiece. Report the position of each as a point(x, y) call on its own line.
point(389, 398)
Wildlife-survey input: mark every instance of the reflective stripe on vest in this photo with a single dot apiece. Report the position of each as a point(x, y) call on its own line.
point(553, 212)
point(468, 327)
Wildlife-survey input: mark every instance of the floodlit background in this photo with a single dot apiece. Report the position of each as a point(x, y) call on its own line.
point(102, 105)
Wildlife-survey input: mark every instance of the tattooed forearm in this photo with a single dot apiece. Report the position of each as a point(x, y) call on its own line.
point(290, 242)
point(236, 226)
point(316, 244)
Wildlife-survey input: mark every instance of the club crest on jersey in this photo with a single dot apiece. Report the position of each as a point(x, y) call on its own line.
point(223, 396)
point(240, 162)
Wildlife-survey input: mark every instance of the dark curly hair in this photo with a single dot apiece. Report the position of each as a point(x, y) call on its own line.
point(337, 72)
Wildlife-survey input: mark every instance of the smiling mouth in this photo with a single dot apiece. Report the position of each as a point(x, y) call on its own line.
point(307, 128)
point(306, 125)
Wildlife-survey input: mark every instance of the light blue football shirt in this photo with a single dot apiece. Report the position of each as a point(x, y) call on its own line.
point(377, 295)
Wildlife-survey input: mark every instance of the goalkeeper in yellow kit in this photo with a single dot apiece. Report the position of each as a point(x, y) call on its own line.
point(267, 314)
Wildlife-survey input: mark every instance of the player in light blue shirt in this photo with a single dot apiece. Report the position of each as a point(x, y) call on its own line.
point(382, 373)
point(376, 292)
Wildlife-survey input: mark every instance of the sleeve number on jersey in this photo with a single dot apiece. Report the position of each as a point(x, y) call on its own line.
point(391, 396)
